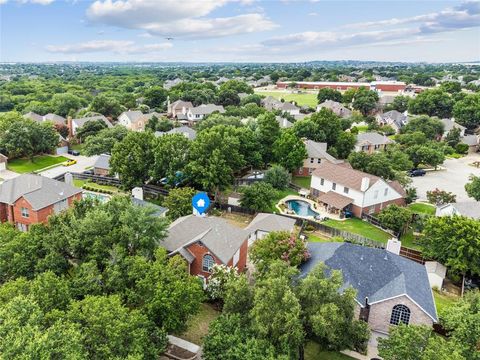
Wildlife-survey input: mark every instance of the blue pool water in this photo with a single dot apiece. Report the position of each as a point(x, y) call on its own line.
point(301, 208)
point(92, 195)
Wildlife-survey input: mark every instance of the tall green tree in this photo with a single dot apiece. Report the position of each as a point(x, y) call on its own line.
point(431, 127)
point(104, 140)
point(90, 128)
point(106, 105)
point(66, 104)
point(132, 158)
point(432, 102)
point(329, 94)
point(258, 197)
point(467, 111)
point(395, 218)
point(473, 187)
point(289, 151)
point(267, 131)
point(278, 177)
point(155, 97)
point(365, 100)
point(179, 202)
point(170, 156)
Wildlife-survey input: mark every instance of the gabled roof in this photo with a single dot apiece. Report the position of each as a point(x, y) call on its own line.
point(38, 190)
point(372, 138)
point(449, 124)
point(159, 210)
point(284, 123)
point(190, 133)
point(180, 104)
point(397, 117)
point(271, 222)
point(102, 162)
point(334, 199)
point(33, 116)
point(221, 238)
point(56, 119)
point(132, 115)
point(343, 175)
point(286, 106)
point(319, 150)
point(82, 121)
point(336, 107)
point(375, 273)
point(469, 209)
point(206, 109)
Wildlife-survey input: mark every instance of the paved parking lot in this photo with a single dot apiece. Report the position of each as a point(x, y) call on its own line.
point(453, 178)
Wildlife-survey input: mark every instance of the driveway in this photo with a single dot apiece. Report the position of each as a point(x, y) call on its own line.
point(83, 162)
point(452, 179)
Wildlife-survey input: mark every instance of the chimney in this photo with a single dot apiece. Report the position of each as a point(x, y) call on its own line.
point(394, 245)
point(365, 184)
point(137, 193)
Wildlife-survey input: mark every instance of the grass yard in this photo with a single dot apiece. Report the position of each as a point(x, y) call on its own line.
point(361, 128)
point(313, 351)
point(422, 208)
point(316, 237)
point(23, 166)
point(80, 183)
point(303, 181)
point(309, 99)
point(410, 241)
point(360, 227)
point(198, 325)
point(78, 147)
point(443, 301)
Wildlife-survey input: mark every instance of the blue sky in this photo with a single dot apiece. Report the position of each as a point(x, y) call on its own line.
point(238, 30)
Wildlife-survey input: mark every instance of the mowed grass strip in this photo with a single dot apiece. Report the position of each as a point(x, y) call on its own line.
point(23, 166)
point(309, 99)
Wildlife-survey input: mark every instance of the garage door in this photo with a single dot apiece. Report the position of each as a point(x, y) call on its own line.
point(62, 150)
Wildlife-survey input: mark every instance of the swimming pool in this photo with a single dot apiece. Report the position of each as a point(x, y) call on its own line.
point(96, 196)
point(301, 208)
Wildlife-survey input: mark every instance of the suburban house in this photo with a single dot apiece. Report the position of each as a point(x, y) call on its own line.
point(317, 153)
point(53, 118)
point(197, 113)
point(3, 162)
point(270, 103)
point(472, 141)
point(340, 188)
point(449, 124)
point(62, 146)
point(102, 165)
point(136, 120)
point(393, 118)
point(336, 107)
point(469, 209)
point(390, 289)
point(30, 199)
point(186, 131)
point(283, 123)
point(178, 107)
point(205, 241)
point(371, 142)
point(168, 84)
point(75, 124)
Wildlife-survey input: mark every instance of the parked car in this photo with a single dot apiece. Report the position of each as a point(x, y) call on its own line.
point(88, 172)
point(69, 162)
point(417, 172)
point(74, 152)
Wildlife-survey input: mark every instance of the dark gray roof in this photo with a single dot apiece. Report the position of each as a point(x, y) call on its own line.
point(221, 238)
point(375, 273)
point(102, 162)
point(319, 150)
point(38, 190)
point(33, 116)
point(271, 222)
point(159, 210)
point(449, 124)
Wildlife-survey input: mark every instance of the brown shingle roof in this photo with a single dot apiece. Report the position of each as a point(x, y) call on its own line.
point(343, 175)
point(334, 199)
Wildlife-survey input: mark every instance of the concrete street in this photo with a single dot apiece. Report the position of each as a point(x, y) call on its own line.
point(83, 162)
point(452, 179)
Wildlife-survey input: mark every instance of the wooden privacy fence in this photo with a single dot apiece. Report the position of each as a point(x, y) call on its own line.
point(412, 254)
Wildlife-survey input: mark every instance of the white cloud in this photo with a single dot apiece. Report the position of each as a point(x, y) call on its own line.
point(186, 19)
point(114, 46)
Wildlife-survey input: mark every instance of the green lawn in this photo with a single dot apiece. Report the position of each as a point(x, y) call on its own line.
point(317, 238)
point(303, 181)
point(78, 147)
point(23, 166)
point(197, 326)
point(422, 208)
point(361, 128)
point(81, 183)
point(313, 351)
point(360, 227)
point(309, 99)
point(410, 241)
point(443, 301)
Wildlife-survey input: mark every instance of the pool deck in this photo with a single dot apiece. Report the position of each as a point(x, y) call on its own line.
point(314, 205)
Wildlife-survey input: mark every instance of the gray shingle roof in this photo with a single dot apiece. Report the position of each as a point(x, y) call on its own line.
point(271, 222)
point(206, 109)
point(336, 107)
point(56, 119)
point(372, 138)
point(190, 133)
point(465, 208)
point(449, 124)
point(102, 162)
point(470, 140)
point(33, 116)
point(82, 121)
point(133, 115)
point(159, 210)
point(221, 238)
point(319, 150)
point(374, 273)
point(38, 190)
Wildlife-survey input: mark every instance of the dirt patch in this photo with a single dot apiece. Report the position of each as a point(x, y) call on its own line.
point(240, 220)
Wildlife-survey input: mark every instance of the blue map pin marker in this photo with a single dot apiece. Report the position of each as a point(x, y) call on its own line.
point(200, 203)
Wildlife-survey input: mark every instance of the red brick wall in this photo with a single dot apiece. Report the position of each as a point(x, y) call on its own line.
point(3, 212)
point(357, 211)
point(391, 87)
point(100, 172)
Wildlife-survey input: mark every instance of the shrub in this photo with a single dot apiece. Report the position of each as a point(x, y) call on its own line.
point(462, 148)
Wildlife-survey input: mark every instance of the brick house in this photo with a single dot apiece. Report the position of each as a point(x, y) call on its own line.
point(316, 154)
point(341, 188)
point(337, 108)
point(393, 118)
point(135, 120)
point(204, 241)
point(178, 107)
point(390, 289)
point(75, 124)
point(102, 165)
point(371, 142)
point(31, 199)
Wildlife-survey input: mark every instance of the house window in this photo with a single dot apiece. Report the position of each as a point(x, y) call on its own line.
point(334, 186)
point(375, 194)
point(385, 192)
point(207, 263)
point(300, 171)
point(310, 171)
point(377, 147)
point(319, 161)
point(322, 181)
point(400, 313)
point(346, 190)
point(22, 227)
point(25, 213)
point(311, 160)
